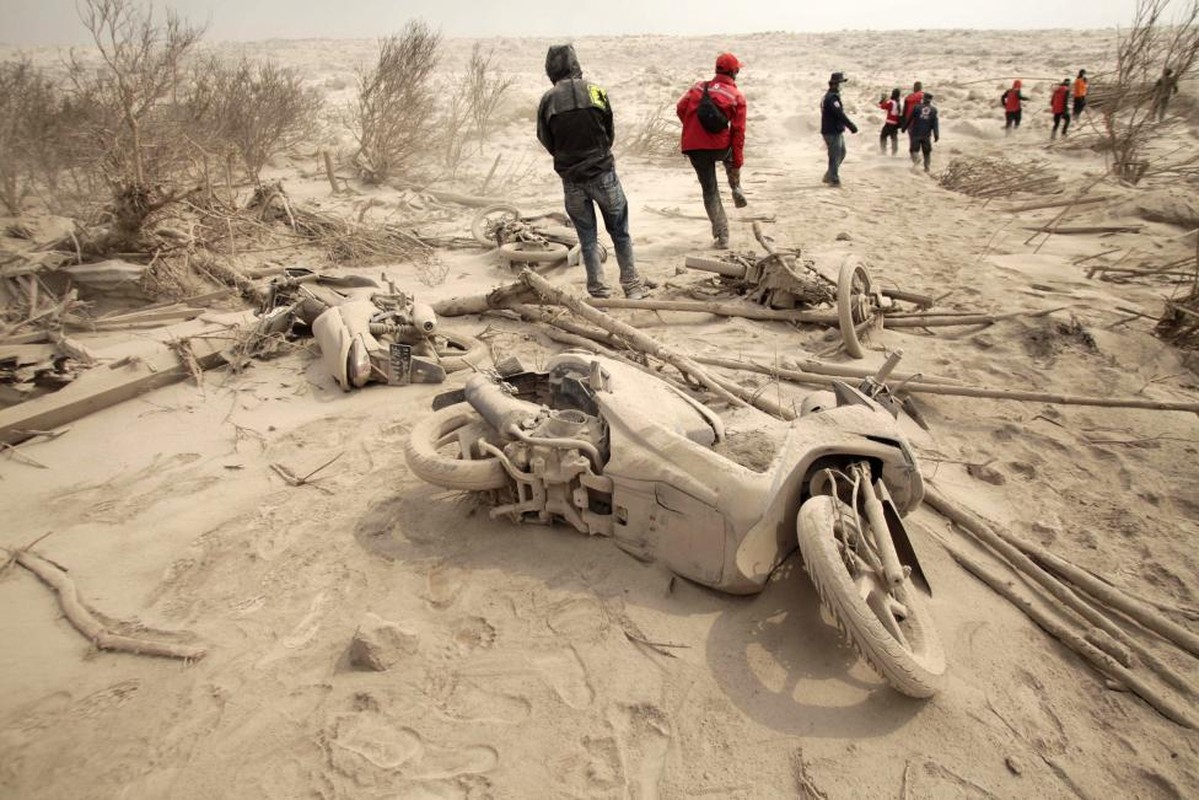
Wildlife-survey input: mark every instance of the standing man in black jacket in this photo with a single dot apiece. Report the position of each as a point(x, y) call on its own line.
point(923, 130)
point(833, 123)
point(574, 123)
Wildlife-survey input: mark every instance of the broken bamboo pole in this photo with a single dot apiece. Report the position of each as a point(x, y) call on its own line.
point(743, 310)
point(1062, 632)
point(84, 621)
point(1111, 596)
point(999, 542)
point(635, 337)
point(915, 386)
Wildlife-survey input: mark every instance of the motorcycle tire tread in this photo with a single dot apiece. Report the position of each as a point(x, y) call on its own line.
point(917, 675)
point(421, 452)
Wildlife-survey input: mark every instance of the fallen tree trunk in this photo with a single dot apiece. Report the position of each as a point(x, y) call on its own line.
point(84, 621)
point(500, 297)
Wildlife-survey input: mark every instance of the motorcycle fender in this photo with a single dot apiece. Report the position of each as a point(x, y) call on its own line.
point(334, 337)
point(904, 547)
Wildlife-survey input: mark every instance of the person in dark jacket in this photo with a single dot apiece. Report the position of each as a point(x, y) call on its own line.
point(574, 123)
point(833, 123)
point(1163, 89)
point(923, 130)
point(726, 144)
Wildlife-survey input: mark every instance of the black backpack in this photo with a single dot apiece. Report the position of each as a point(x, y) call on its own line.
point(710, 115)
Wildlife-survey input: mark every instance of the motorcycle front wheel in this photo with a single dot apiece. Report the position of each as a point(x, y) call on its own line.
point(438, 451)
point(892, 629)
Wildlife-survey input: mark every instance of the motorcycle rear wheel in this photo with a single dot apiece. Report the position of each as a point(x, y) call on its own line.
point(434, 453)
point(902, 647)
point(489, 218)
point(853, 304)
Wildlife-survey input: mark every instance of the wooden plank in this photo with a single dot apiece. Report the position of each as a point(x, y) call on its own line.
point(139, 367)
point(28, 353)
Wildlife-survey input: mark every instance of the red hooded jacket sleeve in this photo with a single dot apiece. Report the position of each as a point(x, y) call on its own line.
point(729, 99)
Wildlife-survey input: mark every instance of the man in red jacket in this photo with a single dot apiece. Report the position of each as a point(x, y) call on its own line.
point(1059, 103)
point(711, 136)
point(1012, 108)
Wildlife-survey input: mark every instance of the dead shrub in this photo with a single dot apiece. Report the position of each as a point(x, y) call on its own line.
point(1127, 103)
point(254, 109)
point(30, 108)
point(655, 136)
point(468, 120)
point(141, 151)
point(390, 119)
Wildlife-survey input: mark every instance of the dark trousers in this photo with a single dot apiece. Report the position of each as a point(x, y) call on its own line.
point(890, 131)
point(704, 162)
point(918, 145)
point(605, 192)
point(1079, 104)
point(835, 142)
point(1011, 119)
point(1062, 119)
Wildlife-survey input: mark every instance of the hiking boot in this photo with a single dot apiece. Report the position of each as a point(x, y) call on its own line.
point(636, 293)
point(600, 293)
point(739, 198)
point(721, 243)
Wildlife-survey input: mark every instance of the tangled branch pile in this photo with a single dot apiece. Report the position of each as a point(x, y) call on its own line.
point(998, 177)
point(1179, 323)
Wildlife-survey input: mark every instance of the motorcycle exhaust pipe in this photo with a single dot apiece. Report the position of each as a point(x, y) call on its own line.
point(501, 410)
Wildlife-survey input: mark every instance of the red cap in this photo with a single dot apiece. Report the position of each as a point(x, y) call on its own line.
point(727, 62)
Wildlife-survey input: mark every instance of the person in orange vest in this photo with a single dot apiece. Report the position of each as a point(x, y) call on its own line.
point(1059, 103)
point(1011, 100)
point(891, 124)
point(1080, 93)
point(910, 102)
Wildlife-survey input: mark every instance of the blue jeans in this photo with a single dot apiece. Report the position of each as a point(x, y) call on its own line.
point(581, 200)
point(835, 142)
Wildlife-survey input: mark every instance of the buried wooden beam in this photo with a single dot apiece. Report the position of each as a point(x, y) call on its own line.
point(129, 373)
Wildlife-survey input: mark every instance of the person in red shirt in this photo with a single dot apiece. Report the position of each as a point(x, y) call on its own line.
point(891, 124)
point(910, 103)
point(706, 147)
point(1012, 112)
point(1059, 103)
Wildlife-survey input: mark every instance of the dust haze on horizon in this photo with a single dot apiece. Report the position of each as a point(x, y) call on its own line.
point(29, 23)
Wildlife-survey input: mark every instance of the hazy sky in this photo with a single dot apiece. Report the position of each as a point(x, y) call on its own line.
point(36, 22)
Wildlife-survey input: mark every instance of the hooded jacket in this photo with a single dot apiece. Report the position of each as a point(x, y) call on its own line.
point(1012, 98)
point(574, 119)
point(729, 99)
